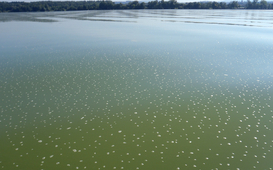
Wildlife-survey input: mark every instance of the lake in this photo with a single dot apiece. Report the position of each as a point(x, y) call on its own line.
point(136, 89)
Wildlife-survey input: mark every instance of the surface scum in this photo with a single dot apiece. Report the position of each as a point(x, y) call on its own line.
point(136, 108)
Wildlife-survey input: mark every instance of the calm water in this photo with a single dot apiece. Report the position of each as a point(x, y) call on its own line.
point(147, 89)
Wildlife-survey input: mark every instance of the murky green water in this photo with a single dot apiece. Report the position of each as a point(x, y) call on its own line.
point(152, 89)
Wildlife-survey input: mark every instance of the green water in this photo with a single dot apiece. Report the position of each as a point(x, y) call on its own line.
point(147, 89)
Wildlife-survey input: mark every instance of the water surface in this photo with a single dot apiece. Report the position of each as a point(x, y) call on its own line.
point(144, 89)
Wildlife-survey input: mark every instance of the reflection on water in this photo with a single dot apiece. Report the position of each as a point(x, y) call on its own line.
point(25, 16)
point(226, 17)
point(79, 94)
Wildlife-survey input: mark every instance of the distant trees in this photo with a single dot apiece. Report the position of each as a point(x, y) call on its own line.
point(106, 5)
point(233, 5)
point(109, 5)
point(136, 5)
point(255, 4)
point(47, 6)
point(191, 5)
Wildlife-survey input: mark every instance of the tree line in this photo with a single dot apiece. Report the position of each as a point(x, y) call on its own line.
point(109, 5)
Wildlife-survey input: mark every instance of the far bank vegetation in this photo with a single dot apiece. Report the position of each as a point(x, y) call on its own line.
point(109, 5)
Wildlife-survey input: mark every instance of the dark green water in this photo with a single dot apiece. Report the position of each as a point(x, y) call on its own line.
point(152, 89)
